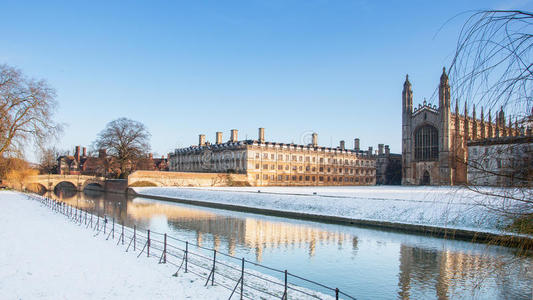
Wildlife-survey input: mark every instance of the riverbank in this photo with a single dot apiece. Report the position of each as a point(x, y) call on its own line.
point(439, 211)
point(44, 255)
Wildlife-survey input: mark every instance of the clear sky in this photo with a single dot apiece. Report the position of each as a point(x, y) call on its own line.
point(184, 68)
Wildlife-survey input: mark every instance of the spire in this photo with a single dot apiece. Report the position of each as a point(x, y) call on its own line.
point(482, 117)
point(457, 106)
point(444, 77)
point(474, 112)
point(406, 83)
point(466, 111)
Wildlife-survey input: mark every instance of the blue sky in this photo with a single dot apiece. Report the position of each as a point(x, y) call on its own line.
point(184, 68)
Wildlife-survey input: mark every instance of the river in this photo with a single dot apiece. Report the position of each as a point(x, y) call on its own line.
point(365, 263)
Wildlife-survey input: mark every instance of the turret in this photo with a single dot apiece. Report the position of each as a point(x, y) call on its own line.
point(467, 125)
point(407, 97)
point(490, 125)
point(444, 91)
point(474, 125)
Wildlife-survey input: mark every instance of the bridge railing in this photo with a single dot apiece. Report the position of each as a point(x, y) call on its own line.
point(241, 277)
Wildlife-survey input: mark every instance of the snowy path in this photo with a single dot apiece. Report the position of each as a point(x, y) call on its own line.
point(44, 255)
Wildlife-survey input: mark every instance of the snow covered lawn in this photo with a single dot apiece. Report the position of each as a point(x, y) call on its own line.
point(44, 255)
point(446, 207)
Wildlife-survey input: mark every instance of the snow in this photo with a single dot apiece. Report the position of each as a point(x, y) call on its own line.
point(44, 255)
point(446, 207)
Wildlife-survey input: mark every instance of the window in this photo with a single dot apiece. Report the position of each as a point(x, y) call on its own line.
point(426, 143)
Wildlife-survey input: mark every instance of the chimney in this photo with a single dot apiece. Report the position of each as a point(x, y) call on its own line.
point(102, 153)
point(315, 139)
point(370, 149)
point(77, 153)
point(341, 145)
point(201, 140)
point(387, 150)
point(261, 135)
point(356, 144)
point(151, 156)
point(234, 137)
point(380, 149)
point(84, 152)
point(219, 138)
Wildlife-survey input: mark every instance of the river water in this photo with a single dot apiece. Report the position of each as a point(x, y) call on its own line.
point(365, 263)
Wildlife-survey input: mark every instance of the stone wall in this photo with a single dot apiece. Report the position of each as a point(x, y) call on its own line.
point(186, 179)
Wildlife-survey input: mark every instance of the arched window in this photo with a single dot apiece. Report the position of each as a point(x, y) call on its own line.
point(426, 143)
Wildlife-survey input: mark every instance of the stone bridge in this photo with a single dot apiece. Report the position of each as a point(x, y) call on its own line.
point(78, 182)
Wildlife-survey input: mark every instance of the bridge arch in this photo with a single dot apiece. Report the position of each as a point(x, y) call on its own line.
point(92, 182)
point(67, 184)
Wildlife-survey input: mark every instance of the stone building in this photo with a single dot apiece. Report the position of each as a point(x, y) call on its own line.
point(434, 139)
point(388, 166)
point(271, 163)
point(504, 161)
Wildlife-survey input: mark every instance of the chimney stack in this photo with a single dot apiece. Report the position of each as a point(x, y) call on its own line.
point(219, 138)
point(201, 140)
point(380, 149)
point(356, 144)
point(370, 149)
point(234, 137)
point(261, 135)
point(341, 145)
point(387, 150)
point(315, 139)
point(77, 153)
point(84, 152)
point(102, 153)
point(151, 156)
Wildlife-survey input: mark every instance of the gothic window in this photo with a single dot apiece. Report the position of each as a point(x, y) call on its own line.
point(426, 143)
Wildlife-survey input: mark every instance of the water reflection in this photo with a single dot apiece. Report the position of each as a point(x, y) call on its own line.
point(363, 262)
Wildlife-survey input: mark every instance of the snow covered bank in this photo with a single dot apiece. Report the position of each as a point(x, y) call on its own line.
point(44, 255)
point(444, 207)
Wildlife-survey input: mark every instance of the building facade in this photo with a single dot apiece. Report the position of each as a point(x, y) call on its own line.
point(504, 161)
point(269, 163)
point(388, 166)
point(434, 139)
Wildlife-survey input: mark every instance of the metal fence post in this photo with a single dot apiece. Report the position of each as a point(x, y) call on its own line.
point(122, 234)
point(336, 293)
point(105, 222)
point(214, 260)
point(113, 230)
point(134, 236)
point(165, 250)
point(285, 292)
point(186, 255)
point(85, 217)
point(242, 278)
point(148, 244)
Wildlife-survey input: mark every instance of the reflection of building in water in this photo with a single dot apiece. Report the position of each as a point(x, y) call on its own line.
point(255, 234)
point(427, 271)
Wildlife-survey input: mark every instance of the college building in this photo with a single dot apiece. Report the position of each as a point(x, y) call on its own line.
point(278, 164)
point(435, 139)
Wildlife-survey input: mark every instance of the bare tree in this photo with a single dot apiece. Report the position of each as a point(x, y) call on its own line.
point(26, 111)
point(48, 160)
point(492, 65)
point(126, 141)
point(492, 68)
